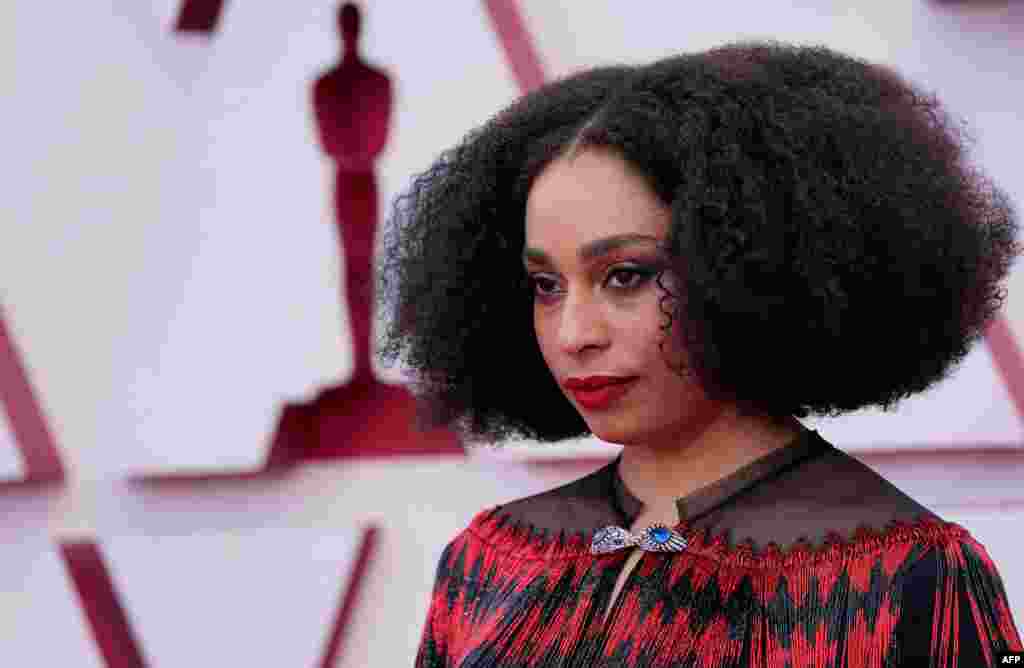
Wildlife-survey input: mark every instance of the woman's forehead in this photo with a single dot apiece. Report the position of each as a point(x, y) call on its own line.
point(594, 194)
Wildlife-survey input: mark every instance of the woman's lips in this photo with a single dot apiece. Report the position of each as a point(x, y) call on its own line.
point(604, 396)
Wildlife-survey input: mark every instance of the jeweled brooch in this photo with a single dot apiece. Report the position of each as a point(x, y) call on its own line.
point(655, 538)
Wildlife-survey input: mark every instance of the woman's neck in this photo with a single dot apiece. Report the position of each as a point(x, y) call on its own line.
point(658, 475)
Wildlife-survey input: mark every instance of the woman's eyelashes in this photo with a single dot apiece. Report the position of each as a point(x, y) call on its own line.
point(622, 278)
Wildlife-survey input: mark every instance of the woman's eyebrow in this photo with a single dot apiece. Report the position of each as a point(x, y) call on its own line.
point(592, 250)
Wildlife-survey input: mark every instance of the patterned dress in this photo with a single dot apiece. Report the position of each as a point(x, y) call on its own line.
point(852, 573)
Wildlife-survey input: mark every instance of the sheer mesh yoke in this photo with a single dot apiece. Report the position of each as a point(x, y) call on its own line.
point(806, 489)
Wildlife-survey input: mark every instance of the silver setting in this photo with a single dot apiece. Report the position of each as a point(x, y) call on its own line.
point(614, 538)
point(671, 541)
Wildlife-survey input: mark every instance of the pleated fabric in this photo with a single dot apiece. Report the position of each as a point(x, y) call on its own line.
point(923, 594)
point(834, 566)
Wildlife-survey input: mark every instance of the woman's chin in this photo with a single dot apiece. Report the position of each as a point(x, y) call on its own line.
point(616, 434)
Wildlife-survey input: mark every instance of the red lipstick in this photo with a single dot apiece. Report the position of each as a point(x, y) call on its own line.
point(597, 392)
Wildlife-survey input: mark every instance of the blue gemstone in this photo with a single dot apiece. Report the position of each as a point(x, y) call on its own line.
point(660, 535)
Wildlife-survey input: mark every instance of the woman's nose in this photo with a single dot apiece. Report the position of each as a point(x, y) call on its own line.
point(581, 325)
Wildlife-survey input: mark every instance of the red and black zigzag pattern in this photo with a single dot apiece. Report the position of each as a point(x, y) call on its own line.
point(925, 594)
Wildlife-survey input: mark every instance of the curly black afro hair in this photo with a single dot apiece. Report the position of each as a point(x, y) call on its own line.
point(835, 248)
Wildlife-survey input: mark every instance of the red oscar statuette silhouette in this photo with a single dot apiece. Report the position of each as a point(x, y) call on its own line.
point(199, 16)
point(362, 417)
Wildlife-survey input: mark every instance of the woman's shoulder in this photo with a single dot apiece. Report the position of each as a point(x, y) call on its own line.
point(840, 480)
point(555, 522)
point(951, 602)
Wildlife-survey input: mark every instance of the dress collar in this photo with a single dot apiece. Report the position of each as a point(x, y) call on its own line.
point(705, 499)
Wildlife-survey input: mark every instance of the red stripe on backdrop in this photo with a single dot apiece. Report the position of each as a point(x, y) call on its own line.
point(97, 597)
point(32, 436)
point(349, 598)
point(519, 46)
point(1008, 360)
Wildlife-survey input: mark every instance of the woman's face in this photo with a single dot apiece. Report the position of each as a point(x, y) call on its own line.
point(597, 313)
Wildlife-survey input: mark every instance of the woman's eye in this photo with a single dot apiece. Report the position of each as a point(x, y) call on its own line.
point(621, 279)
point(536, 282)
point(629, 273)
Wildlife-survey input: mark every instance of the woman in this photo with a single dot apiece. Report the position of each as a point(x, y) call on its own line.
point(729, 241)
